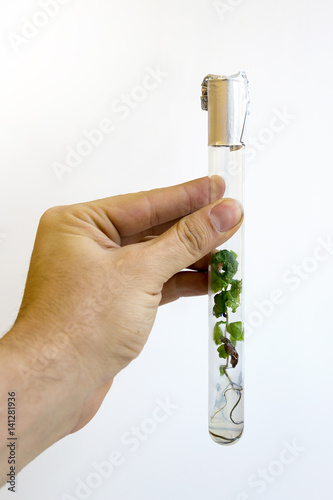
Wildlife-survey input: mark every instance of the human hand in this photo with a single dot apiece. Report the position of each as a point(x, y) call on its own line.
point(99, 271)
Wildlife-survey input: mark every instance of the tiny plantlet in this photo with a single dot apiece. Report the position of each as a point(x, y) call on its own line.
point(224, 266)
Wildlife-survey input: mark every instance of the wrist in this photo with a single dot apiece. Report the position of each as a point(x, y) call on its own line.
point(48, 400)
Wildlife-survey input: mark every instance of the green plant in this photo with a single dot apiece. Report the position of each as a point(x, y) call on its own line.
point(227, 291)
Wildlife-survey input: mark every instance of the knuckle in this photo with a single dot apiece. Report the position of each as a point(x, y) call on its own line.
point(51, 219)
point(51, 213)
point(192, 235)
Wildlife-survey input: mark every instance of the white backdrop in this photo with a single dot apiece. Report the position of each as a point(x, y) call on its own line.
point(66, 71)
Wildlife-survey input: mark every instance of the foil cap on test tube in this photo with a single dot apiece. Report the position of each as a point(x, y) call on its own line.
point(226, 98)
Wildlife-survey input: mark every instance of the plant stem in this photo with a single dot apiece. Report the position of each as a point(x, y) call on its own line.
point(225, 334)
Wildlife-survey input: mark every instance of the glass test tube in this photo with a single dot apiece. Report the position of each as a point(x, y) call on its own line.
point(226, 100)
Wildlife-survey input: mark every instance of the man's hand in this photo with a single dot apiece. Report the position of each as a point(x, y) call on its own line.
point(99, 271)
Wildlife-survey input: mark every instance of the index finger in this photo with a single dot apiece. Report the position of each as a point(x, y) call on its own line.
point(132, 213)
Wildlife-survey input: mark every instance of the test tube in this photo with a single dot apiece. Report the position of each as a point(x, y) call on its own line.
point(226, 100)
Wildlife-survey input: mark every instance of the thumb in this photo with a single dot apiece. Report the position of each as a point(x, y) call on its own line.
point(193, 237)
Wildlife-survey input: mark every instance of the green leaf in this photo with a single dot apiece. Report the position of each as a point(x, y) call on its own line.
point(233, 341)
point(222, 369)
point(220, 306)
point(217, 283)
point(228, 260)
point(222, 352)
point(224, 256)
point(223, 300)
point(231, 301)
point(236, 330)
point(236, 288)
point(217, 334)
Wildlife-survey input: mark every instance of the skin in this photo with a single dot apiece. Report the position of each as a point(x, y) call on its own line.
point(95, 266)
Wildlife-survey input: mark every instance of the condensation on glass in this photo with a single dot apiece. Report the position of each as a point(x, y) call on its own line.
point(226, 100)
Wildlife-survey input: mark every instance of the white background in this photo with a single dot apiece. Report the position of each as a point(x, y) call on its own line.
point(65, 79)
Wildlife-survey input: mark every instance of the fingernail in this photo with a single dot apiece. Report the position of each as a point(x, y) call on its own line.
point(226, 214)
